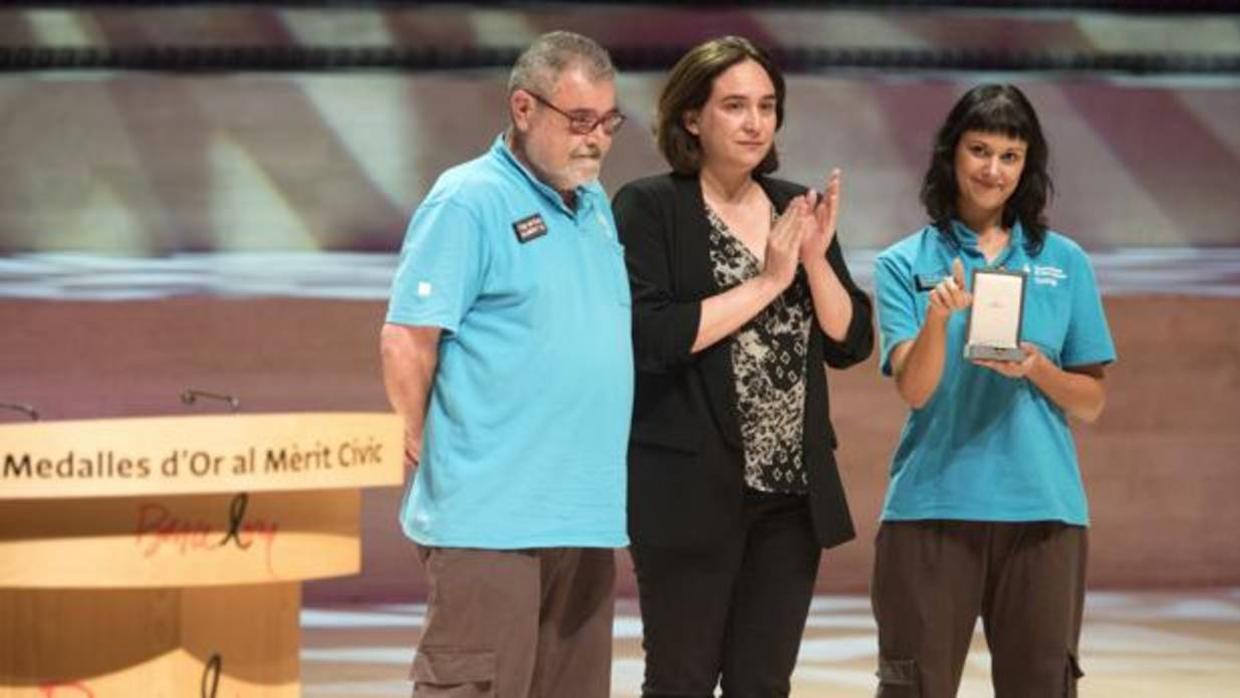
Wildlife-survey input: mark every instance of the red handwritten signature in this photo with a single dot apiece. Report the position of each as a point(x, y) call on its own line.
point(65, 689)
point(160, 530)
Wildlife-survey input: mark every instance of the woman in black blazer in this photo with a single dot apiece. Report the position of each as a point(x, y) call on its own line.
point(740, 295)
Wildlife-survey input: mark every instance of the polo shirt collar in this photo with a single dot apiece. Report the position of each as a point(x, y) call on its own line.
point(966, 240)
point(501, 151)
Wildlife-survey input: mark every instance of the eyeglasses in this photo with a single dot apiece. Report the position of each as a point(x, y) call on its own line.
point(583, 121)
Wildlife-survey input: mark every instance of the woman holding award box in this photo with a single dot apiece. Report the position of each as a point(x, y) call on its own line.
point(985, 513)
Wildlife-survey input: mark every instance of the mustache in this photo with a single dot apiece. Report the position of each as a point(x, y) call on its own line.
point(592, 152)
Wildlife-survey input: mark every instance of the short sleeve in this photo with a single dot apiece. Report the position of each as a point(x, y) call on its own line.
point(897, 307)
point(1088, 339)
point(441, 267)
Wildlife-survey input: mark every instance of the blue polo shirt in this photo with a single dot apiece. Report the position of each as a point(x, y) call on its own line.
point(528, 421)
point(986, 447)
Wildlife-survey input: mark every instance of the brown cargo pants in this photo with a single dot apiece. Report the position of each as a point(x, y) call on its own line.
point(516, 624)
point(932, 579)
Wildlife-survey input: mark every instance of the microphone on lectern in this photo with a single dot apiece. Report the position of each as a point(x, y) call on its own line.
point(190, 396)
point(25, 409)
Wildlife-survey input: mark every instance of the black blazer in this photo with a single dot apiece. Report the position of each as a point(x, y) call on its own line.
point(686, 461)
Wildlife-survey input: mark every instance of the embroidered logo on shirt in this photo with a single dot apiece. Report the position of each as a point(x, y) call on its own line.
point(530, 228)
point(424, 289)
point(1047, 275)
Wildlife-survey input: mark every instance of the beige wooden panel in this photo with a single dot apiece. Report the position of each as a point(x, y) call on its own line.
point(182, 541)
point(186, 455)
point(253, 632)
point(150, 643)
point(62, 641)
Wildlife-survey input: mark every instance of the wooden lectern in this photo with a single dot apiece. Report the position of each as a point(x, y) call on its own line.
point(163, 557)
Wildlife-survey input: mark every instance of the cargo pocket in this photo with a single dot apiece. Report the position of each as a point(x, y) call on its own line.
point(449, 673)
point(1071, 674)
point(897, 678)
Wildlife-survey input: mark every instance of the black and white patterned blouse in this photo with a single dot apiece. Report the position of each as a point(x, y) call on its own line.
point(769, 362)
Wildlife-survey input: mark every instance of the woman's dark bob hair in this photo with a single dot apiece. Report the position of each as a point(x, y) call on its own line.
point(999, 109)
point(688, 88)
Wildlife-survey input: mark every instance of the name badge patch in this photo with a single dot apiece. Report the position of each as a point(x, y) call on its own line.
point(530, 228)
point(927, 282)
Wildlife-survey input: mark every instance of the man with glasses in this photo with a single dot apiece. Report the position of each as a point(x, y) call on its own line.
point(507, 351)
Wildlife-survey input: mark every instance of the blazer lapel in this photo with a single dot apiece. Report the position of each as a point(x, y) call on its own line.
point(779, 196)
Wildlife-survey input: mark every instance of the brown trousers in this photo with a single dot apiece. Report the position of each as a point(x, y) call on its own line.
point(932, 579)
point(516, 624)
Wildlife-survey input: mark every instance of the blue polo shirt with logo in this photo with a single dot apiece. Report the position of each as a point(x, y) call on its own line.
point(529, 412)
point(986, 447)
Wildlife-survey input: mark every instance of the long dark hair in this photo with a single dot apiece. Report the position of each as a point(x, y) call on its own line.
point(689, 86)
point(1000, 109)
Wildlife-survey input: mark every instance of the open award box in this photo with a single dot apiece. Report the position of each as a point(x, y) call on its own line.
point(995, 318)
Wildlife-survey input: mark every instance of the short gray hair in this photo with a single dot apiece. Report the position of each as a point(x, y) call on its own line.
point(540, 65)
